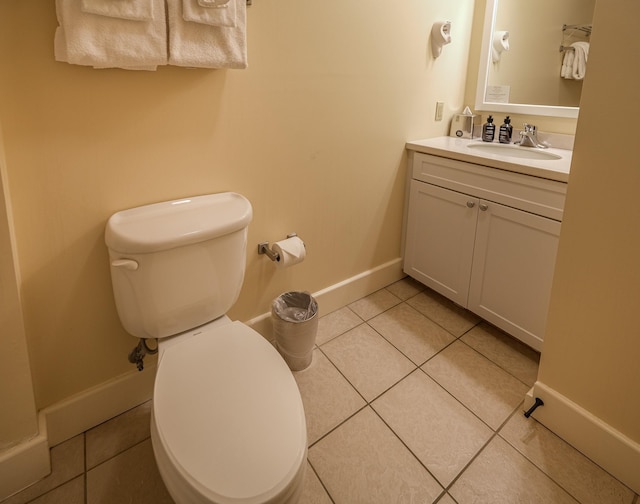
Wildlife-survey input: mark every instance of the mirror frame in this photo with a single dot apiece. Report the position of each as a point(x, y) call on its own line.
point(483, 77)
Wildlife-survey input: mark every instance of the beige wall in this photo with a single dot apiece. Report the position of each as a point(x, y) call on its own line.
point(591, 353)
point(312, 133)
point(16, 390)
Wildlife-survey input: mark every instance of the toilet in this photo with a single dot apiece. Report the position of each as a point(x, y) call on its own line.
point(227, 424)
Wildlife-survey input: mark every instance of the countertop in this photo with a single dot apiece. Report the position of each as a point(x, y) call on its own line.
point(458, 148)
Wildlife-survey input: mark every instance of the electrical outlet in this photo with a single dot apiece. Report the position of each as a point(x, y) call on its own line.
point(439, 110)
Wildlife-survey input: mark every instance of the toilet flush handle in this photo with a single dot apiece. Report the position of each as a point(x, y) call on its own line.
point(129, 264)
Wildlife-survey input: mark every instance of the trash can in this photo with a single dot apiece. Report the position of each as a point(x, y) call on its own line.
point(295, 324)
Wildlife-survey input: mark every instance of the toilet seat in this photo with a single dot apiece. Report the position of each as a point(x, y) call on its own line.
point(228, 423)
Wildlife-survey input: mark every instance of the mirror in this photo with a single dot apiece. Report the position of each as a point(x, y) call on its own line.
point(526, 77)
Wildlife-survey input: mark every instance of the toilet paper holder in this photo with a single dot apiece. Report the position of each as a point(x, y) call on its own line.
point(263, 248)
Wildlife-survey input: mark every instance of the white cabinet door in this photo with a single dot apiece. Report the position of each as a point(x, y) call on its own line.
point(441, 230)
point(513, 264)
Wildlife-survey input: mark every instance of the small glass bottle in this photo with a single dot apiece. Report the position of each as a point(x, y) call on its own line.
point(488, 130)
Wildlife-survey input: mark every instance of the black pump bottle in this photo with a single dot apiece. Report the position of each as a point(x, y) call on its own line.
point(488, 130)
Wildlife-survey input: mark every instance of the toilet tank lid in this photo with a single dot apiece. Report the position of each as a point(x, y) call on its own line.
point(170, 224)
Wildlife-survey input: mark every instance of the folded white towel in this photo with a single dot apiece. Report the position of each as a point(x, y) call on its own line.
point(201, 45)
point(137, 10)
point(567, 63)
point(220, 14)
point(581, 50)
point(108, 42)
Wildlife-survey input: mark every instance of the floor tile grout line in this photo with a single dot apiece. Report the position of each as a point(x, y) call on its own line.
point(402, 301)
point(483, 447)
point(521, 409)
point(367, 402)
point(458, 400)
point(366, 320)
point(495, 363)
point(320, 480)
point(415, 456)
point(137, 443)
point(436, 322)
point(343, 332)
point(475, 350)
point(445, 494)
point(441, 495)
point(403, 353)
point(417, 367)
point(82, 474)
point(353, 385)
point(53, 489)
point(394, 346)
point(364, 406)
point(343, 375)
point(375, 412)
point(495, 434)
point(370, 405)
point(526, 457)
point(532, 464)
point(468, 464)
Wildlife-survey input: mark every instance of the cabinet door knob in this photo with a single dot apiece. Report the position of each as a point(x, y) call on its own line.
point(471, 204)
point(484, 207)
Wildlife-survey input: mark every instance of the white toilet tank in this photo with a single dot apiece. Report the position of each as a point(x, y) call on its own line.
point(178, 264)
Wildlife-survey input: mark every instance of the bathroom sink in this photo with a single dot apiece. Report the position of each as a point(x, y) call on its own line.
point(514, 151)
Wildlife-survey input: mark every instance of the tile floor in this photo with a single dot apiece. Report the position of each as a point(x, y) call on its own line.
point(409, 399)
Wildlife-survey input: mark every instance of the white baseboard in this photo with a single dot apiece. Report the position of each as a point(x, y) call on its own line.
point(91, 407)
point(341, 294)
point(607, 447)
point(98, 404)
point(25, 463)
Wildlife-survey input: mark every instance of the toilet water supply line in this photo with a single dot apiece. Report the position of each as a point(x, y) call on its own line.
point(137, 354)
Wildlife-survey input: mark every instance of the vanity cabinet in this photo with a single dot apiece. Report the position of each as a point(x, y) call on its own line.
point(486, 239)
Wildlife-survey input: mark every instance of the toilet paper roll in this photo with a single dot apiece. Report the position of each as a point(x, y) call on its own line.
point(500, 44)
point(440, 36)
point(290, 251)
point(441, 31)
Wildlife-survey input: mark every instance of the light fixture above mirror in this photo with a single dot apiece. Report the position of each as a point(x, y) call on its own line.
point(527, 80)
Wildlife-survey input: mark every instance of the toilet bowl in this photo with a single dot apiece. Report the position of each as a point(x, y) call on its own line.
point(228, 423)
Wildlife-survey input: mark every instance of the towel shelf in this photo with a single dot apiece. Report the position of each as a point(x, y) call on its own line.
point(580, 27)
point(584, 28)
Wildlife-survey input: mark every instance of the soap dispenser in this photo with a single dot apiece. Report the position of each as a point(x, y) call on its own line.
point(488, 130)
point(504, 136)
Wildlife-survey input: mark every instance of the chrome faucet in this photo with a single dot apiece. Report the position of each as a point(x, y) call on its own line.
point(529, 137)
